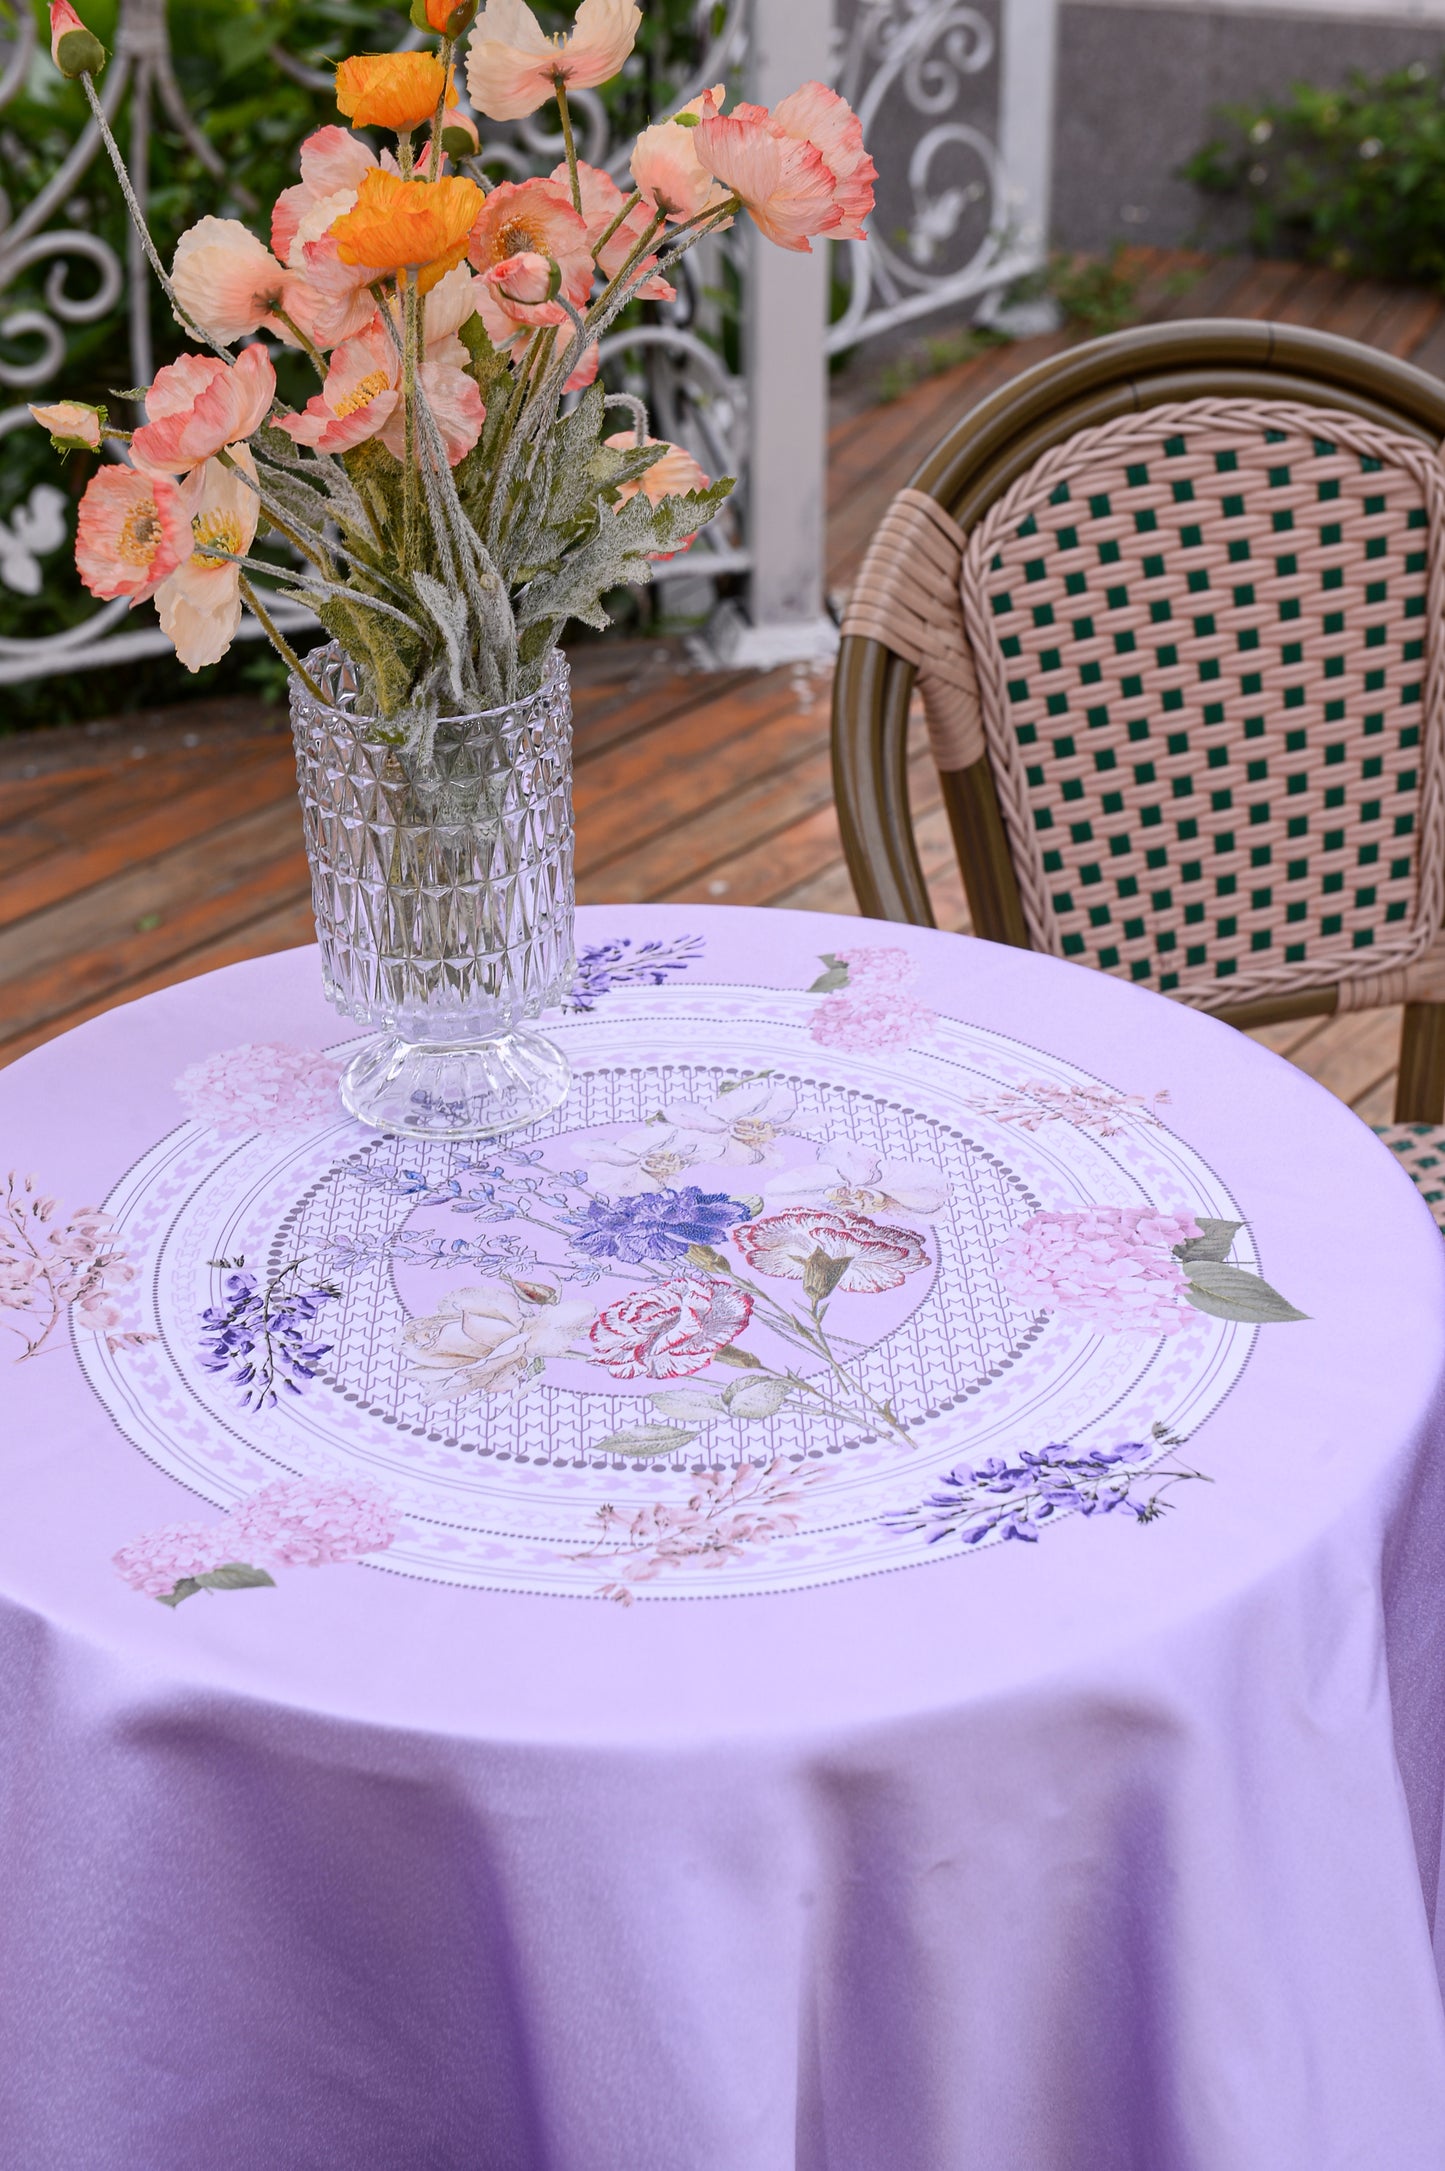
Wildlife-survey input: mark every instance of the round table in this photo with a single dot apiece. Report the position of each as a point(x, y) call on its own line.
point(873, 1593)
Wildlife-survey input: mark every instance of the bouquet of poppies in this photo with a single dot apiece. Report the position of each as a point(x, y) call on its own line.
point(447, 500)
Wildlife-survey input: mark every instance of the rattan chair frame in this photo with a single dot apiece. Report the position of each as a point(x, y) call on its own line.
point(974, 465)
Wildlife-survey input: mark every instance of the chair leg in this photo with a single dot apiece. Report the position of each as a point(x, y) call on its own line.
point(1420, 1087)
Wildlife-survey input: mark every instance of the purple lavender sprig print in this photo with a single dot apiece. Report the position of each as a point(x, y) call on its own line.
point(261, 1335)
point(1018, 1498)
point(604, 966)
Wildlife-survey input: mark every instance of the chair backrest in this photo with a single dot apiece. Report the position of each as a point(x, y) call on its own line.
point(1174, 603)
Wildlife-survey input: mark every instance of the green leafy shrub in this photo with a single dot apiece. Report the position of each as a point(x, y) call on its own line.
point(1351, 177)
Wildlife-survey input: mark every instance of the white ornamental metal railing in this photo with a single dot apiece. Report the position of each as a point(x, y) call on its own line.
point(906, 65)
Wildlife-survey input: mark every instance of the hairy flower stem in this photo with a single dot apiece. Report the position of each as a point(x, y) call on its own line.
point(411, 510)
point(559, 84)
point(309, 348)
point(132, 205)
point(434, 161)
point(280, 643)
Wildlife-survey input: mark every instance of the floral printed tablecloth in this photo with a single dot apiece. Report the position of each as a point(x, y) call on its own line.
point(871, 1590)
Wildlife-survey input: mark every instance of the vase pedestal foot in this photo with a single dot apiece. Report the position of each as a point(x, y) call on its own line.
point(458, 1088)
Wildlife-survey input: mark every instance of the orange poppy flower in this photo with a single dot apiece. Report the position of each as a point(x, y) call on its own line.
point(392, 90)
point(419, 226)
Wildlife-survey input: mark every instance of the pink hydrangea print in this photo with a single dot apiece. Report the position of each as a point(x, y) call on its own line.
point(156, 1563)
point(670, 1330)
point(314, 1522)
point(290, 1523)
point(1113, 1266)
point(876, 1255)
point(260, 1086)
point(872, 1012)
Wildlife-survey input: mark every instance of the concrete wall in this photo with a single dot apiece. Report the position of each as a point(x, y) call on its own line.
point(1137, 85)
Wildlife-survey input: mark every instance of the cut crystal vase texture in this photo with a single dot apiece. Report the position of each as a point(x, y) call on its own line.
point(442, 884)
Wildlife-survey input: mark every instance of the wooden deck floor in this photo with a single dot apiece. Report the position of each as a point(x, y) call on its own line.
point(136, 854)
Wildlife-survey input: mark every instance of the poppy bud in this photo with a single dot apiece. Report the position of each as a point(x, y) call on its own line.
point(75, 50)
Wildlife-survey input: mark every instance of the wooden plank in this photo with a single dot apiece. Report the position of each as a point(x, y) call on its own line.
point(1210, 295)
point(77, 862)
point(1265, 289)
point(147, 916)
point(87, 800)
point(286, 928)
point(1405, 322)
point(709, 754)
point(689, 849)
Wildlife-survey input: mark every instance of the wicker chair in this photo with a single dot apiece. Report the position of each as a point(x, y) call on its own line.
point(1173, 605)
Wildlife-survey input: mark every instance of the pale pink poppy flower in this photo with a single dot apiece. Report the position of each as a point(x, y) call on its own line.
point(673, 475)
point(71, 421)
point(783, 181)
point(333, 161)
point(228, 282)
point(133, 531)
point(668, 173)
point(361, 397)
point(197, 404)
point(513, 66)
point(199, 606)
point(814, 114)
point(602, 199)
point(534, 218)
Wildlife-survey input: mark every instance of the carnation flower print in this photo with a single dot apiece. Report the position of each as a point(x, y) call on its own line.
point(53, 1264)
point(291, 1523)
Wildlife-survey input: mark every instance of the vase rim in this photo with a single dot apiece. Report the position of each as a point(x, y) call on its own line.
point(331, 653)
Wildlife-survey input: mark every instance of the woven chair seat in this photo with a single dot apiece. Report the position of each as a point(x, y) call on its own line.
point(1420, 1150)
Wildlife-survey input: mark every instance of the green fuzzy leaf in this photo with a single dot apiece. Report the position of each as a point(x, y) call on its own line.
point(1228, 1292)
point(236, 1575)
point(836, 976)
point(186, 1588)
point(758, 1398)
point(645, 1440)
point(1213, 1241)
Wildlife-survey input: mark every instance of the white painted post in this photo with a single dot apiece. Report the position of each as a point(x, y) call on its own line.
point(787, 380)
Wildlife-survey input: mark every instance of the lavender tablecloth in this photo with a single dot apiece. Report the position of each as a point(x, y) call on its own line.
point(824, 1611)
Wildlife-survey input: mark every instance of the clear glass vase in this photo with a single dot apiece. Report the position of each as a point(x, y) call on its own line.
point(443, 892)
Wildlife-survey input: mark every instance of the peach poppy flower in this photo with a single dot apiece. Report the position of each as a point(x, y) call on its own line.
point(417, 226)
point(673, 475)
point(198, 404)
point(199, 606)
point(228, 282)
point(332, 301)
point(665, 165)
point(70, 423)
point(814, 114)
point(332, 161)
point(602, 199)
point(527, 219)
point(392, 90)
point(361, 397)
point(783, 181)
point(513, 66)
point(132, 533)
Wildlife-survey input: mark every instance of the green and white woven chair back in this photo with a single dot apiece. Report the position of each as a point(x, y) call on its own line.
point(1207, 644)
